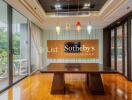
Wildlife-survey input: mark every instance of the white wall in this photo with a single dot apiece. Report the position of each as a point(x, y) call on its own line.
point(72, 35)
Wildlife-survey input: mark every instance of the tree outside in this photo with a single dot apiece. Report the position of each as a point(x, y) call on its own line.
point(4, 47)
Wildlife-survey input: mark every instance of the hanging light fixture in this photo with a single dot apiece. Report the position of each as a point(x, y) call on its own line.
point(89, 29)
point(78, 24)
point(58, 29)
point(67, 24)
point(68, 27)
point(89, 26)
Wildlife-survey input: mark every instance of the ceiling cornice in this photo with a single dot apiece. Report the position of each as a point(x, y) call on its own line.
point(112, 8)
point(109, 7)
point(33, 9)
point(102, 18)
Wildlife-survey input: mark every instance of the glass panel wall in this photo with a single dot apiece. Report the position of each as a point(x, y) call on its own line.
point(112, 49)
point(4, 75)
point(20, 46)
point(125, 43)
point(119, 49)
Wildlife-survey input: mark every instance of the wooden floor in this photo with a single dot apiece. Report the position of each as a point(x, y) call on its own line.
point(38, 86)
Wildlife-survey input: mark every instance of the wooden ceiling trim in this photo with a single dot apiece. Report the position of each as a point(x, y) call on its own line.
point(48, 5)
point(32, 10)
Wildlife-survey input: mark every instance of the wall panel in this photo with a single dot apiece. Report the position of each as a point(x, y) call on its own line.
point(72, 35)
point(91, 49)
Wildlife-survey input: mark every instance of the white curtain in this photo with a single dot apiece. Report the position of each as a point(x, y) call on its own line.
point(36, 37)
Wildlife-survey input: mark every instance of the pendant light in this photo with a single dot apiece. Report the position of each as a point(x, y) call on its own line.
point(68, 27)
point(89, 26)
point(58, 28)
point(67, 24)
point(78, 24)
point(89, 29)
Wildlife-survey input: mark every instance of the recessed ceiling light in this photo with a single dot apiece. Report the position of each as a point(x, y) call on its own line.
point(58, 7)
point(86, 5)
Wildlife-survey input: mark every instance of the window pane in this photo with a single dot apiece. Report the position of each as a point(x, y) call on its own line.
point(125, 42)
point(20, 59)
point(112, 49)
point(119, 49)
point(4, 79)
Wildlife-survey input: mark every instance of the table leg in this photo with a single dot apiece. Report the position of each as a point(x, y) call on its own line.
point(58, 84)
point(87, 79)
point(95, 83)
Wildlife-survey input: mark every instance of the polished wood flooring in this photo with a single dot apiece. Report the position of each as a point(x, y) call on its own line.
point(38, 86)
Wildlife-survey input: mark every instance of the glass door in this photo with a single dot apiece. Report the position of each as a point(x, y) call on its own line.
point(20, 46)
point(125, 49)
point(4, 73)
point(119, 50)
point(112, 49)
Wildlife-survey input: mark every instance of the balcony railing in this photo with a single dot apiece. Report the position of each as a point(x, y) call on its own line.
point(19, 68)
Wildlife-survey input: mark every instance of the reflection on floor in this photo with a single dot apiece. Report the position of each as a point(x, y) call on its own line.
point(38, 86)
point(5, 81)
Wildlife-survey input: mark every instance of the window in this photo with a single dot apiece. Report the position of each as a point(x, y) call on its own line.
point(121, 46)
point(119, 49)
point(125, 43)
point(112, 49)
point(20, 46)
point(4, 75)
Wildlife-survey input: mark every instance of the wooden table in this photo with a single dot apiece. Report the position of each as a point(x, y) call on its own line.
point(92, 70)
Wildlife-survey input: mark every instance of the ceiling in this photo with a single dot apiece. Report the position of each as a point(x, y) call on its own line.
point(110, 11)
point(61, 6)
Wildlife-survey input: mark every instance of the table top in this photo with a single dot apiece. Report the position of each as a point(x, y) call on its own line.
point(76, 68)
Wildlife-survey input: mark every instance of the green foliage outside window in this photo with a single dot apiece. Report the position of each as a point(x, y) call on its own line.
point(4, 46)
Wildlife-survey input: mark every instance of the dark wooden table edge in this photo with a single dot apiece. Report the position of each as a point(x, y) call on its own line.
point(82, 72)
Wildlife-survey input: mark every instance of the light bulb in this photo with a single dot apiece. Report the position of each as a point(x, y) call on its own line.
point(78, 26)
point(67, 27)
point(58, 29)
point(89, 29)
